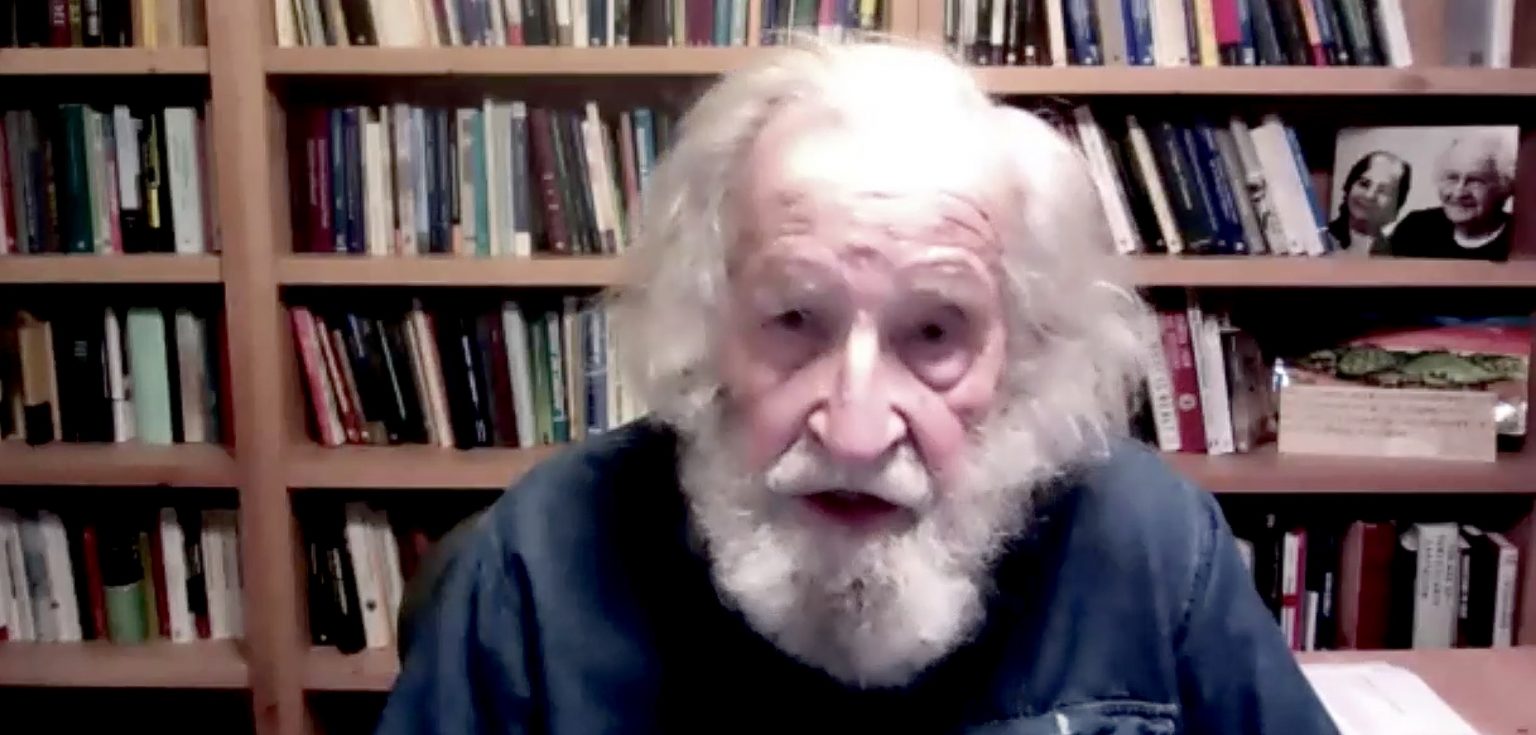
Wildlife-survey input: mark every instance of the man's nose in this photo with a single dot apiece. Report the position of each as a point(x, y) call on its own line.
point(858, 422)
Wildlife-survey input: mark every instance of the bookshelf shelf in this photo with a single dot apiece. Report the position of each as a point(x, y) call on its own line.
point(409, 467)
point(199, 665)
point(184, 465)
point(1260, 81)
point(1488, 688)
point(186, 61)
point(1284, 272)
point(355, 270)
point(1268, 471)
point(146, 268)
point(631, 61)
point(372, 670)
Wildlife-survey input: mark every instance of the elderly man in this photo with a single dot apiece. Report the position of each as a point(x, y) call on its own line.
point(883, 489)
point(1475, 177)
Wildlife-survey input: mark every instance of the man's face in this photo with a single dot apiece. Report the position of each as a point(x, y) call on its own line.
point(1373, 197)
point(865, 321)
point(1470, 188)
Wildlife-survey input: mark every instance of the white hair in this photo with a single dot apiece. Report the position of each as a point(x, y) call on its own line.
point(1494, 147)
point(1075, 341)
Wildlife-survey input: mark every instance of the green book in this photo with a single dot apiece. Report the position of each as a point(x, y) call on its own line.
point(479, 126)
point(538, 345)
point(149, 373)
point(122, 576)
point(75, 187)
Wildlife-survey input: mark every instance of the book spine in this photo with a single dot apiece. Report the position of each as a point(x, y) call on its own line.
point(1506, 586)
point(1178, 352)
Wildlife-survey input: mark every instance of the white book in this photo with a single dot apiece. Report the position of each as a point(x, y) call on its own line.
point(998, 26)
point(615, 374)
point(433, 370)
point(174, 560)
point(426, 20)
point(413, 345)
point(384, 180)
point(123, 420)
point(374, 240)
point(1290, 553)
point(1245, 552)
point(498, 24)
point(1436, 587)
point(365, 573)
point(1284, 184)
point(1501, 34)
point(519, 365)
point(1056, 30)
point(603, 204)
point(580, 26)
point(563, 20)
point(192, 367)
point(96, 181)
point(391, 576)
point(287, 27)
point(1162, 209)
point(61, 576)
point(185, 179)
point(126, 141)
point(1392, 29)
point(467, 122)
point(1506, 585)
point(23, 627)
point(1309, 608)
point(1257, 188)
point(234, 601)
point(496, 172)
point(454, 39)
point(403, 160)
point(1211, 376)
point(40, 583)
point(312, 24)
point(1102, 172)
point(738, 23)
point(1170, 39)
point(522, 242)
point(220, 625)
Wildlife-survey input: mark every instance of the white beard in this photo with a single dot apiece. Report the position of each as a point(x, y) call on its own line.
point(876, 608)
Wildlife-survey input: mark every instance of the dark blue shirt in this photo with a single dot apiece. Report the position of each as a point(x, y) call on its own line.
point(577, 605)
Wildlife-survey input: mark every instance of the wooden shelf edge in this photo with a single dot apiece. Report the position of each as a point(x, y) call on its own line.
point(189, 60)
point(135, 465)
point(88, 269)
point(1293, 81)
point(372, 670)
point(410, 467)
point(358, 270)
point(628, 61)
point(1301, 272)
point(159, 664)
point(1268, 471)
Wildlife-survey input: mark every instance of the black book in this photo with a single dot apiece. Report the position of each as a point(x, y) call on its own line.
point(578, 180)
point(1479, 588)
point(154, 187)
point(1265, 39)
point(444, 181)
point(448, 144)
point(980, 51)
point(75, 532)
point(10, 379)
point(85, 408)
point(322, 605)
point(458, 385)
point(403, 389)
point(173, 367)
point(90, 23)
point(50, 175)
point(478, 381)
point(1183, 193)
point(32, 23)
point(360, 25)
point(116, 23)
point(1405, 571)
point(7, 23)
point(377, 410)
point(1134, 182)
point(1288, 26)
point(494, 407)
point(1336, 40)
point(352, 121)
point(346, 612)
point(536, 20)
point(337, 160)
point(1323, 582)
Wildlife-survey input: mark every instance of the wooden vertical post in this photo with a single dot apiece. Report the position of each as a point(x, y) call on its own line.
point(238, 33)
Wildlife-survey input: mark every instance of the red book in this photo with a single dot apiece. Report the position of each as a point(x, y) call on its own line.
point(320, 234)
point(700, 26)
point(157, 573)
point(313, 360)
point(1314, 33)
point(58, 23)
point(1365, 581)
point(627, 165)
point(1229, 30)
point(1179, 351)
point(90, 551)
point(114, 209)
point(543, 144)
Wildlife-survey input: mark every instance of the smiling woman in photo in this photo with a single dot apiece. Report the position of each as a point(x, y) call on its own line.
point(1374, 192)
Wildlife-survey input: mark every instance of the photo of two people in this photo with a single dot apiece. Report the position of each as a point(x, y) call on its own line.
point(1424, 192)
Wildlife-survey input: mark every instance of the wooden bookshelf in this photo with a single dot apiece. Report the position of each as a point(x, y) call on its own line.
point(92, 269)
point(647, 62)
point(1307, 272)
point(1144, 270)
point(329, 670)
point(357, 270)
point(196, 665)
point(1260, 81)
point(409, 467)
point(128, 465)
point(184, 61)
point(1268, 471)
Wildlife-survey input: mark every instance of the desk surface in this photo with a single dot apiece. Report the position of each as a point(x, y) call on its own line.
point(1494, 690)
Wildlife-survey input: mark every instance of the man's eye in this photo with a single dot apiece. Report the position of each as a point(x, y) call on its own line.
point(932, 333)
point(792, 319)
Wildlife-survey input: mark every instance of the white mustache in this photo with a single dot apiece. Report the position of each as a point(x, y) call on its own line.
point(901, 479)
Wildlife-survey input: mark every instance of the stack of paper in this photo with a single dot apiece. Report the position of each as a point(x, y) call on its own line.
point(1375, 697)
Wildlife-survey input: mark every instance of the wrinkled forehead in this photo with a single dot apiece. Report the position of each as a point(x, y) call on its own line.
point(816, 174)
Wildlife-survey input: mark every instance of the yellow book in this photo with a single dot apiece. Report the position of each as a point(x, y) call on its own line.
point(145, 23)
point(868, 10)
point(1205, 25)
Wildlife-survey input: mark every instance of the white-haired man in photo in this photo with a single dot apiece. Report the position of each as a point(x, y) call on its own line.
point(1474, 179)
point(884, 486)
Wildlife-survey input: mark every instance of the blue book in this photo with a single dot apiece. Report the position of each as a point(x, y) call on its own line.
point(1249, 53)
point(1205, 189)
point(1081, 35)
point(1326, 32)
point(1138, 35)
point(594, 331)
point(1221, 185)
point(1318, 218)
point(645, 143)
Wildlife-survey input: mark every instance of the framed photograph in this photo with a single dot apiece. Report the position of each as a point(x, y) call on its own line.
point(1424, 192)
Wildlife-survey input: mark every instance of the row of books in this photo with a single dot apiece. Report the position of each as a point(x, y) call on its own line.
point(1384, 584)
point(1171, 33)
point(141, 374)
point(77, 179)
point(1194, 187)
point(1209, 384)
point(504, 178)
point(169, 574)
point(571, 23)
point(94, 23)
point(358, 564)
point(511, 375)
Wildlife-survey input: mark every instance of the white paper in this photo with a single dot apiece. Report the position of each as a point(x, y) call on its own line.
point(1376, 697)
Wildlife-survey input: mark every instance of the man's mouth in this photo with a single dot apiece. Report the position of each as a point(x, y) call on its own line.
point(852, 508)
